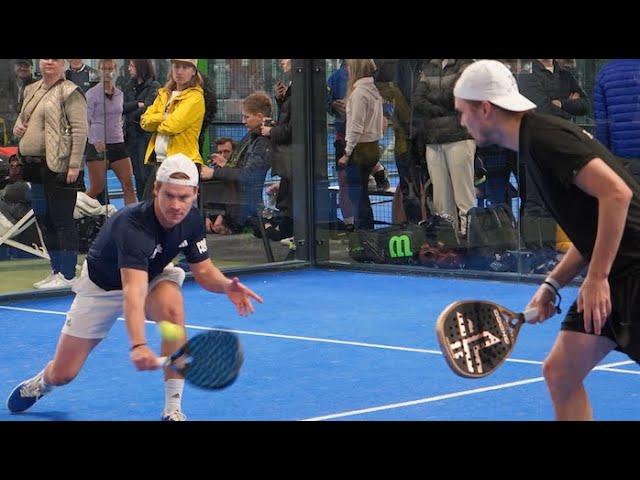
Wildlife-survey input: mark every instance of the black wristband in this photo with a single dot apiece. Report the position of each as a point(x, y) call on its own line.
point(136, 346)
point(558, 296)
point(552, 286)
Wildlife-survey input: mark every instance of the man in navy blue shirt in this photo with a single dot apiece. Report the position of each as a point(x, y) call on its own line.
point(128, 269)
point(596, 200)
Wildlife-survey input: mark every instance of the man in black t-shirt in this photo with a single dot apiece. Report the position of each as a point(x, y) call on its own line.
point(128, 270)
point(596, 200)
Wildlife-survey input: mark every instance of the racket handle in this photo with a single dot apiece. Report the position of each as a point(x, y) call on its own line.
point(163, 361)
point(530, 313)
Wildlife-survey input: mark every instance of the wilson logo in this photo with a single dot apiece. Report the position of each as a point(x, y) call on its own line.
point(400, 246)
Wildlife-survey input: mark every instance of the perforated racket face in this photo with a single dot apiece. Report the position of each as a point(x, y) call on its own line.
point(476, 336)
point(210, 360)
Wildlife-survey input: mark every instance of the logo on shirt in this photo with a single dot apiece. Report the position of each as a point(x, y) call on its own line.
point(202, 245)
point(587, 134)
point(183, 244)
point(156, 251)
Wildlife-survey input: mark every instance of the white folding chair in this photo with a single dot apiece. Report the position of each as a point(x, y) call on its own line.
point(20, 226)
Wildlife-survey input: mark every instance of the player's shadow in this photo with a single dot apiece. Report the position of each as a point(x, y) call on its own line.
point(52, 415)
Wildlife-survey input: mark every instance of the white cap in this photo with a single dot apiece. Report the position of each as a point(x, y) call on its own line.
point(175, 163)
point(492, 81)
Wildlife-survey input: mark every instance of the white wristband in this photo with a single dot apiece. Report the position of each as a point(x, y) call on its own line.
point(553, 282)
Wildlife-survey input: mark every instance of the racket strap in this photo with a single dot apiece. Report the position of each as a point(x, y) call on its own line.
point(554, 287)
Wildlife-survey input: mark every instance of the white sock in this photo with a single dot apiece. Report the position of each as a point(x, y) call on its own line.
point(173, 394)
point(42, 384)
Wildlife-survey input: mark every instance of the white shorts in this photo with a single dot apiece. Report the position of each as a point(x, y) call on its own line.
point(94, 310)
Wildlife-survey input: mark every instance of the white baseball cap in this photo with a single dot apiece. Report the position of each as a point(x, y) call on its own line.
point(178, 163)
point(492, 81)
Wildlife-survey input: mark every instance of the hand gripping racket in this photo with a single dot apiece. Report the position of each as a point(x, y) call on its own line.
point(477, 336)
point(209, 360)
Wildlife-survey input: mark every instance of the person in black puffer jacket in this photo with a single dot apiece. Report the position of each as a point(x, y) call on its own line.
point(449, 147)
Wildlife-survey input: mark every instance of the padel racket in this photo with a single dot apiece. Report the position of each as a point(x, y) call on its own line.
point(477, 336)
point(209, 360)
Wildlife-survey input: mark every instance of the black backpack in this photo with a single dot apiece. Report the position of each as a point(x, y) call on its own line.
point(394, 244)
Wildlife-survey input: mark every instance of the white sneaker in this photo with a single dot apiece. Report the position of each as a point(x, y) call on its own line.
point(175, 416)
point(44, 280)
point(58, 281)
point(287, 242)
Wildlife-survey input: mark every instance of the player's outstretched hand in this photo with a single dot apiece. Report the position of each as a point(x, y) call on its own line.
point(241, 296)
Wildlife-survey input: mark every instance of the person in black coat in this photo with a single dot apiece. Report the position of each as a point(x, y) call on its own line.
point(139, 93)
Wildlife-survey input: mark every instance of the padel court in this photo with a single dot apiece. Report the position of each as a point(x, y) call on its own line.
point(325, 345)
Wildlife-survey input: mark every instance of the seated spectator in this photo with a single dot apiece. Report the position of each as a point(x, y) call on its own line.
point(224, 148)
point(246, 169)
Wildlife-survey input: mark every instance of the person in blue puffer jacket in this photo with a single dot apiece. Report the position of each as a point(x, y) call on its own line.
point(616, 108)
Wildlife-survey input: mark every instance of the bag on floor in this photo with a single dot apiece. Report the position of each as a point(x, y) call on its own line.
point(395, 245)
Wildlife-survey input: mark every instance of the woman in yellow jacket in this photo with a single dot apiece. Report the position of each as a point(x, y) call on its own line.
point(175, 118)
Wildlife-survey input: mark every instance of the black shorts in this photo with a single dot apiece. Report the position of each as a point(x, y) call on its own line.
point(623, 325)
point(115, 152)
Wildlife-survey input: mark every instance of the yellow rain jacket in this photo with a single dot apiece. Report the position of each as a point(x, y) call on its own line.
point(182, 123)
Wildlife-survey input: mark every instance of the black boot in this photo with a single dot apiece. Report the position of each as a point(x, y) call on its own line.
point(382, 182)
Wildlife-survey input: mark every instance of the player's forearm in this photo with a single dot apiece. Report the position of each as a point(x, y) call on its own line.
point(210, 277)
point(612, 216)
point(570, 266)
point(134, 316)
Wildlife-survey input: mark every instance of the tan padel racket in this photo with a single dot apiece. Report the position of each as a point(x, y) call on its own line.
point(476, 336)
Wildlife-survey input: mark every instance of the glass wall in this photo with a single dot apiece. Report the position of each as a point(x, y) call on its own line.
point(278, 186)
point(246, 205)
point(424, 196)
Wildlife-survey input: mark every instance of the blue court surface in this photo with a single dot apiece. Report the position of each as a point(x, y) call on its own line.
point(325, 345)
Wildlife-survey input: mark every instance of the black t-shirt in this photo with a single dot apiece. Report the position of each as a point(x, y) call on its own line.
point(554, 150)
point(133, 238)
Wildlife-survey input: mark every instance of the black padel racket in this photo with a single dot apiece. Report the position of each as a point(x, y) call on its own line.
point(209, 360)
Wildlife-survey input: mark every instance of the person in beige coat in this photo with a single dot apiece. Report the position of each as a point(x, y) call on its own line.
point(364, 131)
point(52, 127)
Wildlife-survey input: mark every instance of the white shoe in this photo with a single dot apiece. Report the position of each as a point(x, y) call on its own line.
point(44, 280)
point(286, 242)
point(58, 281)
point(175, 416)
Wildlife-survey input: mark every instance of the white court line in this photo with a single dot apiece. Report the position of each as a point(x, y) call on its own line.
point(425, 400)
point(338, 342)
point(617, 364)
point(290, 337)
point(618, 370)
point(442, 397)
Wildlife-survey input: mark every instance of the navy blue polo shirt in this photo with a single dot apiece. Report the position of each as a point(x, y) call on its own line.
point(133, 238)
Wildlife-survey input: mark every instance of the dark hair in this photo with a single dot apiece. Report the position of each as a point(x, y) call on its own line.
point(144, 69)
point(223, 140)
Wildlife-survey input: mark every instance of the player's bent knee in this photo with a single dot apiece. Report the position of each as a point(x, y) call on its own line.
point(174, 315)
point(557, 373)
